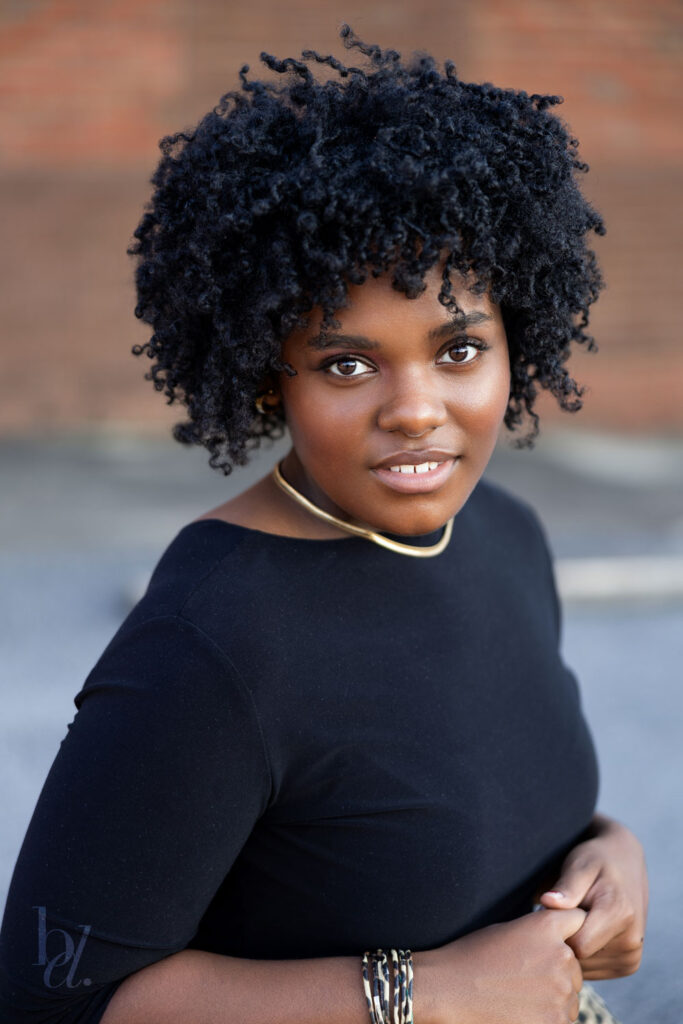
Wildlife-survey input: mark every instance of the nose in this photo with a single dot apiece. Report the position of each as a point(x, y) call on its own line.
point(414, 407)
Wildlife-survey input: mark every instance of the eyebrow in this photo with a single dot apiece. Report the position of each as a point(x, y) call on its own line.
point(358, 341)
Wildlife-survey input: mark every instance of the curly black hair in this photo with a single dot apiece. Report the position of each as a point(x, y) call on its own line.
point(290, 189)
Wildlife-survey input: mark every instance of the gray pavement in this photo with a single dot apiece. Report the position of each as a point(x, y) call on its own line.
point(83, 520)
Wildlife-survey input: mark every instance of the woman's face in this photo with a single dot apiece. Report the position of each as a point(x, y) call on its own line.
point(394, 416)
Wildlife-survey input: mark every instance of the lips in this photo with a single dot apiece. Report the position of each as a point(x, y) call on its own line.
point(417, 457)
point(415, 472)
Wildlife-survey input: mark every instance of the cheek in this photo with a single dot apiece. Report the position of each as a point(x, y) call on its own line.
point(500, 392)
point(483, 406)
point(314, 411)
point(323, 421)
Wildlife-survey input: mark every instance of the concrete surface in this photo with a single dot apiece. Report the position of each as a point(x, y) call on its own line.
point(84, 519)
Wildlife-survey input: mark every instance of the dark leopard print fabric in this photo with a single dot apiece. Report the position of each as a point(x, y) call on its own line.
point(592, 1009)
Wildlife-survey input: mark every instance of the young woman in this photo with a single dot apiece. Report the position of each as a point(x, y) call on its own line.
point(338, 722)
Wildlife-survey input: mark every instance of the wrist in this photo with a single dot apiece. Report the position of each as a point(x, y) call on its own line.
point(442, 975)
point(610, 828)
point(601, 824)
point(426, 987)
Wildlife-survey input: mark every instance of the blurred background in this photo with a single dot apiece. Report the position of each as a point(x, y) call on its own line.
point(88, 88)
point(92, 489)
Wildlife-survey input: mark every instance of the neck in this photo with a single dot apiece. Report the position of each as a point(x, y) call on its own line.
point(296, 476)
point(358, 530)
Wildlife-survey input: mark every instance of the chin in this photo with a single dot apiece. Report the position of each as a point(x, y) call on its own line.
point(416, 525)
point(418, 521)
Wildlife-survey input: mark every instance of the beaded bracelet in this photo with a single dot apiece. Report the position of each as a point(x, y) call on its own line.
point(377, 996)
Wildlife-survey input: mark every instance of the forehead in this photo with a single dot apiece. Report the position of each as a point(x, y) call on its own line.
point(376, 308)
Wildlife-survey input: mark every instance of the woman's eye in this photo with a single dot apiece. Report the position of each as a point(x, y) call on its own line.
point(463, 352)
point(348, 366)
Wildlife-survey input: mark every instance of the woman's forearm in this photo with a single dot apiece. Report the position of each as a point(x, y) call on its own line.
point(518, 970)
point(207, 988)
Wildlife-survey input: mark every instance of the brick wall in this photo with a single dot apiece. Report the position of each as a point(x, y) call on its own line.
point(88, 88)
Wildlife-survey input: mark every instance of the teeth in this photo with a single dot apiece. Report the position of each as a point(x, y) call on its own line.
point(424, 467)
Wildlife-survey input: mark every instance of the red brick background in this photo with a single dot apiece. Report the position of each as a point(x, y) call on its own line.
point(87, 88)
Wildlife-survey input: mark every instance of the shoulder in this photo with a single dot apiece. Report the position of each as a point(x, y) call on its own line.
point(163, 683)
point(493, 507)
point(163, 629)
point(189, 564)
point(515, 543)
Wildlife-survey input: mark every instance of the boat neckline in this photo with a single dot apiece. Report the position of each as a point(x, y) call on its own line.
point(428, 538)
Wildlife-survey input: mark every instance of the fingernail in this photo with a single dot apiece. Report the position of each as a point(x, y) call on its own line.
point(555, 892)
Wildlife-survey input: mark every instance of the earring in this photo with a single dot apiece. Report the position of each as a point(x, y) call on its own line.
point(262, 408)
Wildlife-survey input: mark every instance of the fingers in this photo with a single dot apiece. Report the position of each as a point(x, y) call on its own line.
point(592, 936)
point(565, 922)
point(610, 971)
point(610, 918)
point(616, 960)
point(575, 1009)
point(573, 884)
point(576, 975)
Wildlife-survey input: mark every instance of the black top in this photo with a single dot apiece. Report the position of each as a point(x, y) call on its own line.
point(296, 748)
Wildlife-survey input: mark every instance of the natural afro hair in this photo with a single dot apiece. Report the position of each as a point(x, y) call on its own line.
point(290, 189)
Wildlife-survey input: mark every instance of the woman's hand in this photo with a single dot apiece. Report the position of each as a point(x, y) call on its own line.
point(607, 877)
point(519, 971)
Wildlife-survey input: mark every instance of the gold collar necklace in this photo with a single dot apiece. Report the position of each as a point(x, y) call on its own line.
point(363, 531)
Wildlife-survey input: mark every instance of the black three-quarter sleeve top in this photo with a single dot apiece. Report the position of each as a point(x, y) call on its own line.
point(297, 748)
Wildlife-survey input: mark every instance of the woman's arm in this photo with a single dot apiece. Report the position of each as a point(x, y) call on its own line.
point(154, 791)
point(607, 876)
point(207, 988)
point(523, 970)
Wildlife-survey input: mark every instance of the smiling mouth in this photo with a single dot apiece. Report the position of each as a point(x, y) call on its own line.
point(416, 478)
